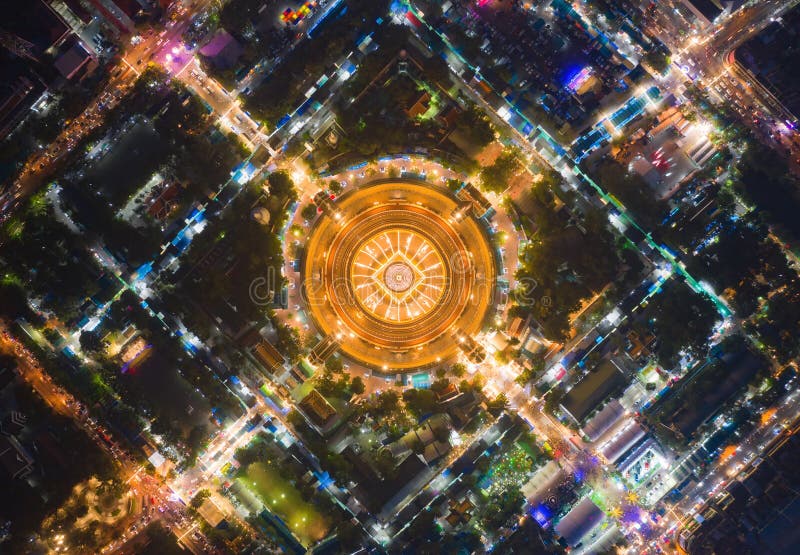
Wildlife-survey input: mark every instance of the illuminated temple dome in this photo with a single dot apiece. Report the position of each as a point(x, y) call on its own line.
point(397, 273)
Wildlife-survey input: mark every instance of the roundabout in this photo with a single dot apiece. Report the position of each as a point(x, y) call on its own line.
point(398, 272)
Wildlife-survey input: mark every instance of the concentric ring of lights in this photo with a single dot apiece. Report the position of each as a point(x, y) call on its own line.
point(388, 274)
point(398, 275)
point(402, 236)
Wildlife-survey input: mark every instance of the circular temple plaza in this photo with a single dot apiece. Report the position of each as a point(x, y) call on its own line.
point(399, 273)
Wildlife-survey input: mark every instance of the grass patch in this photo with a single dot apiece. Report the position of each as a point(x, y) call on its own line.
point(302, 517)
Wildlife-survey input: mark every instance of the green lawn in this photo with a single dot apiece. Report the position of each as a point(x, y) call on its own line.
point(302, 518)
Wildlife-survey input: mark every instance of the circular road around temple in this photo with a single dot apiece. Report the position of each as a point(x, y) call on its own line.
point(398, 272)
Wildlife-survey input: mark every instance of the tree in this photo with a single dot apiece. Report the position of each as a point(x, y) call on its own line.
point(778, 330)
point(309, 212)
point(441, 432)
point(348, 534)
point(284, 87)
point(328, 385)
point(281, 186)
point(454, 184)
point(632, 190)
point(7, 361)
point(199, 497)
point(424, 526)
point(682, 321)
point(561, 266)
point(335, 187)
point(553, 400)
point(288, 341)
point(420, 401)
point(385, 463)
point(86, 537)
point(501, 507)
point(475, 385)
point(254, 451)
point(440, 385)
point(474, 124)
point(167, 430)
point(387, 402)
point(764, 179)
point(90, 341)
point(334, 364)
point(195, 440)
point(498, 404)
point(658, 59)
point(437, 70)
point(357, 386)
point(79, 511)
point(459, 369)
point(495, 178)
point(13, 300)
point(531, 373)
point(162, 541)
point(742, 252)
point(295, 419)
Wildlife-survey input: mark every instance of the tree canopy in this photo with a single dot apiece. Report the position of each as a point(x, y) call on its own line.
point(495, 178)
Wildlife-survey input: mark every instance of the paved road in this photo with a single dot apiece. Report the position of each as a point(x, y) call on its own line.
point(228, 109)
point(42, 165)
point(773, 423)
point(712, 58)
point(501, 385)
point(142, 485)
